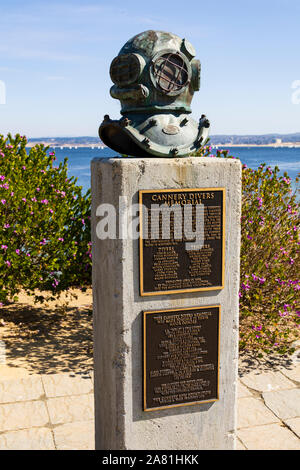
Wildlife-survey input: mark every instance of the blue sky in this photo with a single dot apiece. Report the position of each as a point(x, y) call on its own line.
point(55, 58)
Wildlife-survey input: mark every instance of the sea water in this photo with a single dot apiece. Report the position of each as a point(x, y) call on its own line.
point(287, 159)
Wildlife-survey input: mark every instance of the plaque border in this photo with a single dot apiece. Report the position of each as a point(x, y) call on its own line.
point(147, 312)
point(193, 289)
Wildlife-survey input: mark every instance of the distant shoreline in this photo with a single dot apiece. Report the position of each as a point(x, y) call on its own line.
point(215, 146)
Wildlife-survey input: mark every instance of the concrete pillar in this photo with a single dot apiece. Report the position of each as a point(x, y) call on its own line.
point(121, 422)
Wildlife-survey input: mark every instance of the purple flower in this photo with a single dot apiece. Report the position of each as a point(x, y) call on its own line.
point(6, 225)
point(2, 177)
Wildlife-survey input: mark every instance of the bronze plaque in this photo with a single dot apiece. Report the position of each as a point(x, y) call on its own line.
point(181, 357)
point(169, 263)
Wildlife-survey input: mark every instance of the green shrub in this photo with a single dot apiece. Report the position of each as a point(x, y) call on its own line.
point(270, 284)
point(44, 223)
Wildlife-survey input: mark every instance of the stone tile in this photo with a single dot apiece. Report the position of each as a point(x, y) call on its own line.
point(243, 391)
point(22, 389)
point(284, 403)
point(69, 409)
point(27, 439)
point(269, 437)
point(252, 412)
point(293, 373)
point(75, 436)
point(266, 382)
point(294, 424)
point(57, 385)
point(23, 415)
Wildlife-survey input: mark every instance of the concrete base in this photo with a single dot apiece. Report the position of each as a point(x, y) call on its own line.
point(120, 421)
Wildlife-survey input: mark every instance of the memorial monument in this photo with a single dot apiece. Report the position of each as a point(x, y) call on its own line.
point(166, 240)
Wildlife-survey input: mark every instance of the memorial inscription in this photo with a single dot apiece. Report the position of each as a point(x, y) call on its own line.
point(167, 264)
point(181, 357)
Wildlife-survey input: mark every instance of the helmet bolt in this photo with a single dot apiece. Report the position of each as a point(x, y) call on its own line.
point(125, 122)
point(146, 142)
point(184, 121)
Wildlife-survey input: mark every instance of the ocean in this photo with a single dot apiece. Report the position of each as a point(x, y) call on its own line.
point(287, 159)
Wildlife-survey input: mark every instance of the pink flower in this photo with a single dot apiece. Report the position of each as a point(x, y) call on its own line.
point(6, 225)
point(38, 189)
point(8, 263)
point(4, 247)
point(17, 251)
point(3, 201)
point(2, 177)
point(44, 201)
point(60, 239)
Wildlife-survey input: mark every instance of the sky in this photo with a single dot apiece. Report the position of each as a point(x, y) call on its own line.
point(55, 58)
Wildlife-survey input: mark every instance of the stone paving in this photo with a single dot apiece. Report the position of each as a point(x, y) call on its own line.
point(55, 411)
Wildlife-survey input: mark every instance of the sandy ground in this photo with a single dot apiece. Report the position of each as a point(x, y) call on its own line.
point(57, 337)
point(46, 338)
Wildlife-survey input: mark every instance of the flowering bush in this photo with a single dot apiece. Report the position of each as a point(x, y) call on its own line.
point(44, 223)
point(270, 284)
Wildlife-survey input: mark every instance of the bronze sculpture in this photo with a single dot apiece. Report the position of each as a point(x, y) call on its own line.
point(155, 76)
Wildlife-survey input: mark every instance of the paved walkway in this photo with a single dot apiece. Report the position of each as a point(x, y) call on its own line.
point(56, 411)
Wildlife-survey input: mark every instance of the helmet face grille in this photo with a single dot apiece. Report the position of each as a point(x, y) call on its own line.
point(170, 72)
point(125, 69)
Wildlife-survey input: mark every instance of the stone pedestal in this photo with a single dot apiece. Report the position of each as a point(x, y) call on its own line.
point(120, 420)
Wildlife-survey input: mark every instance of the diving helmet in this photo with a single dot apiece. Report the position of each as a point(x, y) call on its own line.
point(155, 76)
